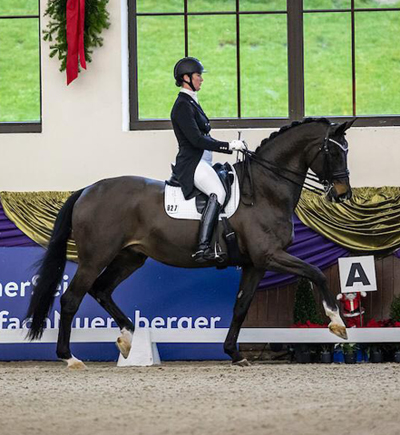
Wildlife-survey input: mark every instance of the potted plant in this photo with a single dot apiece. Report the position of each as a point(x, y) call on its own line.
point(350, 352)
point(397, 354)
point(375, 353)
point(302, 353)
point(338, 356)
point(305, 313)
point(326, 354)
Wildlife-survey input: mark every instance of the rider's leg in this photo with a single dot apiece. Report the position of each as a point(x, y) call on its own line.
point(206, 180)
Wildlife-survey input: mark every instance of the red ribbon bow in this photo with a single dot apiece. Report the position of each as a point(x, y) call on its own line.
point(75, 35)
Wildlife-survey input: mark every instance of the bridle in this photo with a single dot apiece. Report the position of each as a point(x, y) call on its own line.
point(327, 177)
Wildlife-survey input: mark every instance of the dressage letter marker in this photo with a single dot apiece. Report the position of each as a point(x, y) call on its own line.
point(357, 274)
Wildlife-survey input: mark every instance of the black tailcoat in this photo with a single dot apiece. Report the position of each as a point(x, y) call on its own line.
point(191, 127)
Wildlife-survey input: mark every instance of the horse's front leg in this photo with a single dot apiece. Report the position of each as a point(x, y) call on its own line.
point(286, 263)
point(251, 277)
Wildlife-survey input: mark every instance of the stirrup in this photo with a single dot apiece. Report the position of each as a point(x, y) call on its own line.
point(218, 255)
point(201, 256)
point(207, 254)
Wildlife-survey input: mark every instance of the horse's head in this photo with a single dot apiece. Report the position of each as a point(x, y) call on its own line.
point(330, 163)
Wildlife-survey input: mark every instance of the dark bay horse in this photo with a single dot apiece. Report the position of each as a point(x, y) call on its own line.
point(117, 223)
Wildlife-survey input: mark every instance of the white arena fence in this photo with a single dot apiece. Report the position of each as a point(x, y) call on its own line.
point(215, 335)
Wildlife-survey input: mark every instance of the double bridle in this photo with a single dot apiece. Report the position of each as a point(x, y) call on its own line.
point(328, 174)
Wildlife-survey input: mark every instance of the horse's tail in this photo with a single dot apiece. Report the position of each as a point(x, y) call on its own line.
point(51, 268)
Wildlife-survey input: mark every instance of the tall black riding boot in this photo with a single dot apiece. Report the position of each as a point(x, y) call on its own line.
point(208, 219)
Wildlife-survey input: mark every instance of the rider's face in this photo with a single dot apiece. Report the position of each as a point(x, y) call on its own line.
point(197, 80)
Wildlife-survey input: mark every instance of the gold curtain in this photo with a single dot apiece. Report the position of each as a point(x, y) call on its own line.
point(369, 222)
point(34, 214)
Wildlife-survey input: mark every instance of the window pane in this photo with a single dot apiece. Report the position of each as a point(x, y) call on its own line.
point(19, 7)
point(376, 3)
point(211, 6)
point(160, 46)
point(327, 64)
point(212, 39)
point(327, 4)
point(19, 70)
point(263, 62)
point(378, 63)
point(262, 5)
point(144, 6)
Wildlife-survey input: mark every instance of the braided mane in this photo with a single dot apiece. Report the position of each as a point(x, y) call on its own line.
point(288, 127)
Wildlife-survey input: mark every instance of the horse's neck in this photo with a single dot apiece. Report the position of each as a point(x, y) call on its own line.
point(287, 153)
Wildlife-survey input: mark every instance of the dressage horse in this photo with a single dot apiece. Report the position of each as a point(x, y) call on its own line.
point(118, 223)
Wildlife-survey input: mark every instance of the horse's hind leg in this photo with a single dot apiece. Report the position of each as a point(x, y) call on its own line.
point(286, 263)
point(70, 301)
point(124, 264)
point(248, 284)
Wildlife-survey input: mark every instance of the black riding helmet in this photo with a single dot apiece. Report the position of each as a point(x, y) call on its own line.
point(189, 66)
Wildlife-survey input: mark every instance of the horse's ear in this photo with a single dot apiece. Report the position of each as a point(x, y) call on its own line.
point(341, 128)
point(350, 123)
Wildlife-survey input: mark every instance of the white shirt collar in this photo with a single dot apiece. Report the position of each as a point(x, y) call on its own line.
point(191, 93)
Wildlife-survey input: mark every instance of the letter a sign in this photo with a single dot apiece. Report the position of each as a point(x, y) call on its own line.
point(357, 274)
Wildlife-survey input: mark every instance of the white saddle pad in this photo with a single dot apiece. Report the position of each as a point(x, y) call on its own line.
point(177, 207)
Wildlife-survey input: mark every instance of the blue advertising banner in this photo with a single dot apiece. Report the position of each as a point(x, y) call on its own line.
point(156, 295)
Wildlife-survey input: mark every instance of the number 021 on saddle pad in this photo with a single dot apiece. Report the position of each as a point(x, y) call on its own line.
point(177, 207)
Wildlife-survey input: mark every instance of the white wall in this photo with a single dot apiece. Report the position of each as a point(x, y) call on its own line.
point(83, 140)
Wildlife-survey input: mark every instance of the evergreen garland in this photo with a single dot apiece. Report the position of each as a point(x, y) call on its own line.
point(304, 304)
point(96, 20)
point(395, 309)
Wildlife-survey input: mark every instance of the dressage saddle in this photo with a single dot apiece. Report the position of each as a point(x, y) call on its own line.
point(225, 174)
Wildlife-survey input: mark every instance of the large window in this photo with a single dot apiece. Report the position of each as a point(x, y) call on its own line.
point(20, 95)
point(268, 62)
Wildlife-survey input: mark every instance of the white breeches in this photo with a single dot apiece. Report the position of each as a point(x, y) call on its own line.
point(207, 180)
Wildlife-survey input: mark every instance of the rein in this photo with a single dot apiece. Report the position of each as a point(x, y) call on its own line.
point(250, 155)
point(326, 183)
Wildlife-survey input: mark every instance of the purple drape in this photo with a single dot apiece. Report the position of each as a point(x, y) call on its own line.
point(307, 245)
point(10, 235)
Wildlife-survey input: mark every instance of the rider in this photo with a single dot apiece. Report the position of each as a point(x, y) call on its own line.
point(193, 163)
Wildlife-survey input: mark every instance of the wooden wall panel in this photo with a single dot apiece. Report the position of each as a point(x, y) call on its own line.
point(274, 307)
point(387, 285)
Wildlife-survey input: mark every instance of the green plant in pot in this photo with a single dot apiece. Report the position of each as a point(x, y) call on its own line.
point(305, 310)
point(350, 352)
point(326, 353)
point(305, 307)
point(375, 353)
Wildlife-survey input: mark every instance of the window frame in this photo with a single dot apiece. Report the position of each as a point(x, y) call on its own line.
point(296, 87)
point(27, 127)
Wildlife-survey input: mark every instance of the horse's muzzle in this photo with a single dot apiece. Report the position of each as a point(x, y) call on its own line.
point(339, 191)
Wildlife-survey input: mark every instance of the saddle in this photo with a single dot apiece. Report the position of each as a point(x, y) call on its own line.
point(177, 207)
point(226, 176)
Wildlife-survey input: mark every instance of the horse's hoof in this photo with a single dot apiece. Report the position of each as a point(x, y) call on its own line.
point(124, 343)
point(242, 363)
point(338, 330)
point(75, 364)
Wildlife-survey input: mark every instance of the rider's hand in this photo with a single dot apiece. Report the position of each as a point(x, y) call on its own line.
point(237, 145)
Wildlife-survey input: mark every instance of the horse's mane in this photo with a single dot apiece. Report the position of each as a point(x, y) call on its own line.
point(289, 127)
